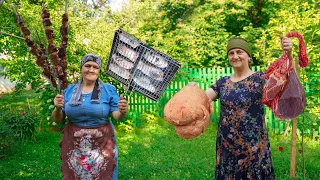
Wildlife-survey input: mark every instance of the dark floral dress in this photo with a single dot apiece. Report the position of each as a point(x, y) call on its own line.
point(243, 150)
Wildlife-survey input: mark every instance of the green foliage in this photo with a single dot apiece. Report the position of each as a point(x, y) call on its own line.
point(127, 126)
point(150, 117)
point(7, 138)
point(47, 94)
point(195, 30)
point(20, 66)
point(23, 123)
point(173, 12)
point(241, 14)
point(203, 39)
point(19, 118)
point(16, 125)
point(146, 118)
point(310, 122)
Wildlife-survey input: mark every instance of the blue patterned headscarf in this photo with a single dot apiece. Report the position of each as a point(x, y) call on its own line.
point(96, 93)
point(90, 57)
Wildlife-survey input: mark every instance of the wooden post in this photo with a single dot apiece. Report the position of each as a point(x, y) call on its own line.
point(293, 148)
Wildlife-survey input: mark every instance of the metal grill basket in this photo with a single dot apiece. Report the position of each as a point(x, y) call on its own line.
point(140, 67)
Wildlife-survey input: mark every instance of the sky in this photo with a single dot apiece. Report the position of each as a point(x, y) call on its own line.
point(116, 4)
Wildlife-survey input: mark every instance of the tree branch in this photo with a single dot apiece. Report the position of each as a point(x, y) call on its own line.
point(66, 7)
point(11, 35)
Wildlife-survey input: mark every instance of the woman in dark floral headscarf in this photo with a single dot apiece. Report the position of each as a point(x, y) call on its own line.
point(88, 146)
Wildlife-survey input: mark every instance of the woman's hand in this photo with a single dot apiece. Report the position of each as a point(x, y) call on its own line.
point(123, 105)
point(57, 114)
point(286, 44)
point(58, 101)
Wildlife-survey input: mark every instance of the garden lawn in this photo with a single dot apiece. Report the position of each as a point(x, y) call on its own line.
point(153, 151)
point(19, 101)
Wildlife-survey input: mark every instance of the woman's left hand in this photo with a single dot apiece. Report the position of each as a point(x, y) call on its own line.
point(123, 105)
point(286, 44)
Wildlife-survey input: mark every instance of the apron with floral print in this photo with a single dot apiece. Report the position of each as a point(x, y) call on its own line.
point(87, 153)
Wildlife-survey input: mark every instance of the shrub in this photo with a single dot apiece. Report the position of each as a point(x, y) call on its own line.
point(7, 137)
point(46, 97)
point(22, 123)
point(127, 126)
point(150, 117)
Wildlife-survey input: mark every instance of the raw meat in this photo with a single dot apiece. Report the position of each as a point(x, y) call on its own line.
point(195, 128)
point(189, 110)
point(120, 71)
point(150, 71)
point(283, 87)
point(292, 100)
point(155, 59)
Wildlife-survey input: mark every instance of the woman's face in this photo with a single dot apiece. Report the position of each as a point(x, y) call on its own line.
point(90, 71)
point(238, 58)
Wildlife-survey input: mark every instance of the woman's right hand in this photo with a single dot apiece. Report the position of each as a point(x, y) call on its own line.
point(58, 101)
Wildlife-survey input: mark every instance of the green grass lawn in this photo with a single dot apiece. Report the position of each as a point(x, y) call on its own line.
point(19, 101)
point(152, 151)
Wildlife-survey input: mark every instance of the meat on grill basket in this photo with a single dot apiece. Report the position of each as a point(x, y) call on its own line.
point(129, 40)
point(145, 82)
point(155, 59)
point(127, 52)
point(150, 71)
point(122, 62)
point(120, 71)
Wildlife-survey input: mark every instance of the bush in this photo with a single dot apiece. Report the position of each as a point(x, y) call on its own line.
point(7, 137)
point(127, 126)
point(47, 94)
point(22, 123)
point(151, 117)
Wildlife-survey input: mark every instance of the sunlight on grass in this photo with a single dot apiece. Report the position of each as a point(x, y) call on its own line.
point(24, 174)
point(153, 151)
point(16, 101)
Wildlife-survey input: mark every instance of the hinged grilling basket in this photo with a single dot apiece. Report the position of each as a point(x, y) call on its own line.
point(139, 67)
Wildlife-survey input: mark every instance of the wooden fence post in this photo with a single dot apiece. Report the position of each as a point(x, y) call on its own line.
point(293, 148)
